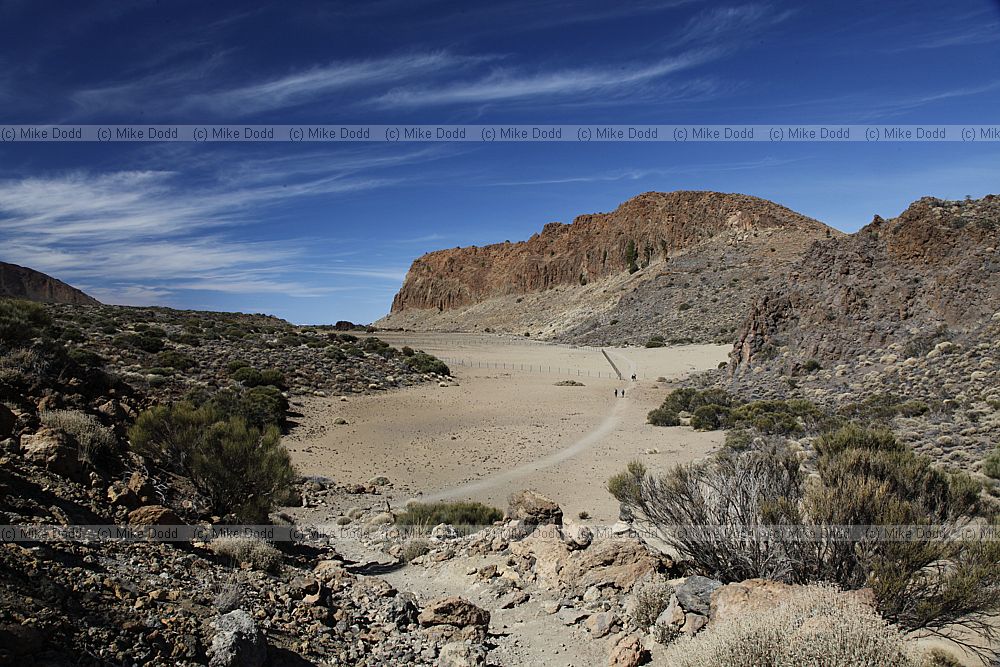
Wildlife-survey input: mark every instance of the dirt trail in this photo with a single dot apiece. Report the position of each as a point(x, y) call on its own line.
point(508, 478)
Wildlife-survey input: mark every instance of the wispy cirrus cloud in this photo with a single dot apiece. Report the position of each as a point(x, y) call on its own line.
point(138, 236)
point(505, 84)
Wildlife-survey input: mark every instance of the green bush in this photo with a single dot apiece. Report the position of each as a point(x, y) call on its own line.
point(463, 515)
point(812, 366)
point(407, 351)
point(21, 321)
point(242, 469)
point(663, 417)
point(710, 417)
point(991, 465)
point(689, 400)
point(86, 358)
point(251, 377)
point(93, 439)
point(175, 360)
point(422, 362)
point(863, 477)
point(655, 343)
point(140, 341)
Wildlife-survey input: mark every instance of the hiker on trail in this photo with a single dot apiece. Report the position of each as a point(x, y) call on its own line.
point(633, 377)
point(623, 393)
point(616, 393)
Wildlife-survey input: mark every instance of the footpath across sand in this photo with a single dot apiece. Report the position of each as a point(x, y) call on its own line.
point(501, 430)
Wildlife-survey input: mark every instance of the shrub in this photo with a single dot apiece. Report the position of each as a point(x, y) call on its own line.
point(688, 400)
point(93, 439)
point(816, 625)
point(864, 477)
point(251, 377)
point(710, 417)
point(174, 359)
point(262, 406)
point(812, 366)
point(414, 548)
point(655, 343)
point(422, 362)
point(649, 598)
point(462, 515)
point(407, 351)
point(86, 358)
point(242, 469)
point(21, 321)
point(991, 465)
point(143, 341)
point(236, 365)
point(663, 417)
point(254, 551)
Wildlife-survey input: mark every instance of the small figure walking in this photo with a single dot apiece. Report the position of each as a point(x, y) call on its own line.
point(623, 393)
point(616, 393)
point(633, 377)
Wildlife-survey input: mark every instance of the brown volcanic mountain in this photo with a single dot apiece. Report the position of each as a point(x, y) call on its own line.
point(932, 272)
point(23, 283)
point(602, 278)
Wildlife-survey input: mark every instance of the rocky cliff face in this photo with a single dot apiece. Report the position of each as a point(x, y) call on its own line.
point(934, 271)
point(602, 278)
point(24, 283)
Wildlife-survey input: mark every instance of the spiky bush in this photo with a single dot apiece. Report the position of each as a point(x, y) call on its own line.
point(422, 362)
point(816, 625)
point(649, 598)
point(460, 514)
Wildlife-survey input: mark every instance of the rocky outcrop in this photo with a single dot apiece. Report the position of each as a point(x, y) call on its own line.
point(933, 268)
point(533, 508)
point(23, 283)
point(566, 266)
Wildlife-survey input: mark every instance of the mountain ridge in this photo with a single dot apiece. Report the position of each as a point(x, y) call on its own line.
point(21, 282)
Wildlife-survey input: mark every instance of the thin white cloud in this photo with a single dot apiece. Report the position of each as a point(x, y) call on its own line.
point(509, 84)
point(307, 85)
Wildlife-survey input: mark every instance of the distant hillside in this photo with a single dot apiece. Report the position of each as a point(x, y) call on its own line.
point(24, 283)
point(679, 264)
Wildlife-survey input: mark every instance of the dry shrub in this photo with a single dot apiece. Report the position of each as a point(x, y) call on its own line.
point(649, 598)
point(817, 625)
point(93, 438)
point(255, 552)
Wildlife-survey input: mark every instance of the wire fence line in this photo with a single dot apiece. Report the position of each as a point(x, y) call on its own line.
point(529, 368)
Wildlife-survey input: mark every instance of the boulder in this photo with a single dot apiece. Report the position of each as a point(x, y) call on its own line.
point(600, 624)
point(53, 450)
point(619, 563)
point(139, 485)
point(7, 422)
point(694, 595)
point(577, 536)
point(119, 495)
point(533, 508)
point(673, 615)
point(453, 611)
point(693, 623)
point(443, 532)
point(628, 652)
point(154, 515)
point(238, 642)
point(461, 654)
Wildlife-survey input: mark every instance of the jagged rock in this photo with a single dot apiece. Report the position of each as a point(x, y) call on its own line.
point(513, 599)
point(238, 642)
point(694, 595)
point(139, 485)
point(628, 652)
point(533, 508)
point(54, 450)
point(154, 515)
point(453, 611)
point(571, 615)
point(673, 615)
point(119, 495)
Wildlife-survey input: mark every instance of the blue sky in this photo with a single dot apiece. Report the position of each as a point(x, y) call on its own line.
point(317, 233)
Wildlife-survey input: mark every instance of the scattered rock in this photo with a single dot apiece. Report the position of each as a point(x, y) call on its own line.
point(154, 515)
point(453, 611)
point(461, 654)
point(628, 652)
point(238, 642)
point(694, 595)
point(533, 508)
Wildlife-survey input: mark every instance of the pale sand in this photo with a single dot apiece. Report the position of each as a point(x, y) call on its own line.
point(501, 430)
